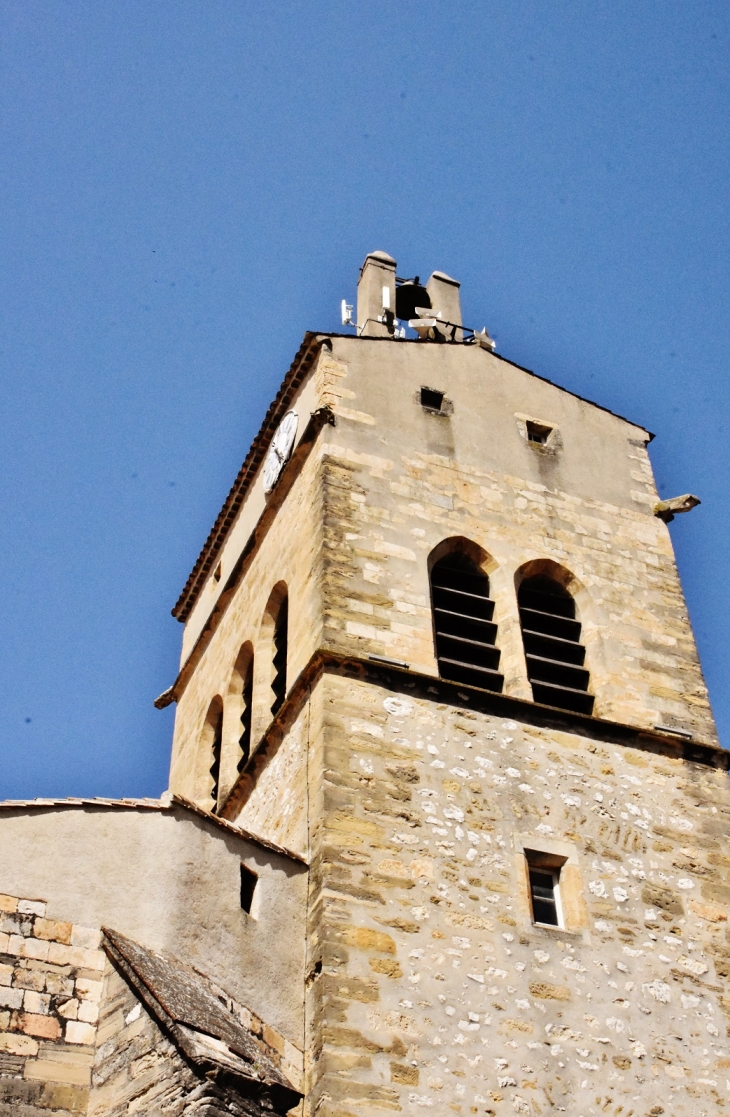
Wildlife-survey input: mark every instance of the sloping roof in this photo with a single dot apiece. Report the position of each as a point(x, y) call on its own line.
point(192, 1010)
point(165, 804)
point(299, 368)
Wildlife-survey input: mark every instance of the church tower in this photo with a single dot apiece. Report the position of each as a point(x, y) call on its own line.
point(436, 648)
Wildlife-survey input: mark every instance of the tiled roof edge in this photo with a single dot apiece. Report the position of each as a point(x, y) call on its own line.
point(238, 831)
point(163, 805)
point(303, 361)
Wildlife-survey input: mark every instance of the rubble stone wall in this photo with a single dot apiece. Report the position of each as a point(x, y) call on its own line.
point(430, 988)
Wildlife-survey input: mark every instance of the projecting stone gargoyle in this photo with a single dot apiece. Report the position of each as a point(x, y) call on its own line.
point(667, 509)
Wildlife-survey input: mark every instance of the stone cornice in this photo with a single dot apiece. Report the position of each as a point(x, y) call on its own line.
point(402, 680)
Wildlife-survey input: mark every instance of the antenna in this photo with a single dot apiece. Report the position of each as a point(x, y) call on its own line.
point(346, 313)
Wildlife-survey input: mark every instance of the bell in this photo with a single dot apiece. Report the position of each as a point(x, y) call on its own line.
point(408, 296)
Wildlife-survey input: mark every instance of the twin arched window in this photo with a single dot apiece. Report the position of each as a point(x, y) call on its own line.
point(466, 635)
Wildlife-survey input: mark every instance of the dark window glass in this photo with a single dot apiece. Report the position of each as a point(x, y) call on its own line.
point(464, 630)
point(553, 651)
point(542, 890)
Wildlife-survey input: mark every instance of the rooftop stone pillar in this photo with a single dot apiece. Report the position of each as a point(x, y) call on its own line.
point(445, 295)
point(375, 293)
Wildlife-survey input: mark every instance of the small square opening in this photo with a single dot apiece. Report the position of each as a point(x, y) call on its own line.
point(544, 877)
point(249, 880)
point(537, 432)
point(432, 399)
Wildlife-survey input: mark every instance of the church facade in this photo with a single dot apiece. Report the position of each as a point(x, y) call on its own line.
point(446, 816)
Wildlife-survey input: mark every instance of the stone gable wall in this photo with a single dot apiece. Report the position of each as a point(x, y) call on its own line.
point(429, 986)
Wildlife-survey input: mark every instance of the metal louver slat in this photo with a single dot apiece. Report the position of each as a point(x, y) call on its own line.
point(557, 671)
point(471, 674)
point(553, 647)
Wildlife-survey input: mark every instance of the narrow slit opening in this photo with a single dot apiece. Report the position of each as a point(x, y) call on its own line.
point(249, 880)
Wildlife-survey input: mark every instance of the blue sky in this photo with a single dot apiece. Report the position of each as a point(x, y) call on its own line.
point(187, 187)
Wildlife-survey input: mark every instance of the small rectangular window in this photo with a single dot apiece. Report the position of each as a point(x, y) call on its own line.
point(544, 877)
point(249, 881)
point(432, 399)
point(537, 432)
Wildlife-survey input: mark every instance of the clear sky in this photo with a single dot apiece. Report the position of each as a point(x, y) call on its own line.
point(188, 186)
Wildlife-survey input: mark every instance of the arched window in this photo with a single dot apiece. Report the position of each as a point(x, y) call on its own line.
point(240, 703)
point(281, 632)
point(270, 676)
point(211, 740)
point(553, 651)
point(244, 741)
point(464, 630)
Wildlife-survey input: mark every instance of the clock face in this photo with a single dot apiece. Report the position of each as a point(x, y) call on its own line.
point(280, 449)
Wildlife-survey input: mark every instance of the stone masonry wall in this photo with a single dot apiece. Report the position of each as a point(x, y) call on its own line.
point(397, 484)
point(50, 989)
point(429, 987)
point(385, 515)
point(276, 808)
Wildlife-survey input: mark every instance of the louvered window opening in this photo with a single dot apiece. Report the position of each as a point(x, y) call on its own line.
point(465, 631)
point(554, 653)
point(244, 741)
point(278, 684)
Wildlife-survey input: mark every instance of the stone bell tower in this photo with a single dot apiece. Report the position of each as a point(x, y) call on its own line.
point(436, 647)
